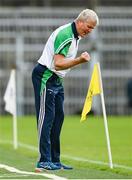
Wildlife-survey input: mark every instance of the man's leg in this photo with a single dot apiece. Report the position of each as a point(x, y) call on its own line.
point(44, 104)
point(46, 117)
point(57, 125)
point(56, 130)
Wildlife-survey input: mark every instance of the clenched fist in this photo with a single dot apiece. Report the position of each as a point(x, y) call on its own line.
point(84, 57)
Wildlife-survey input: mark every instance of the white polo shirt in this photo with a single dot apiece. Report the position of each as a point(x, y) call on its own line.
point(64, 40)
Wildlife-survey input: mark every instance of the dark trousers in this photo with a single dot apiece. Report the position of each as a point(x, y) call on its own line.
point(49, 98)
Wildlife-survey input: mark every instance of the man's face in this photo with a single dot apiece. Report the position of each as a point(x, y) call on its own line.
point(85, 27)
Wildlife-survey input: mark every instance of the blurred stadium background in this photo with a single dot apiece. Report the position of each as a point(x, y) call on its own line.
point(25, 26)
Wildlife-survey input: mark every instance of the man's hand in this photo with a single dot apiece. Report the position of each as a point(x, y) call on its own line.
point(62, 63)
point(84, 57)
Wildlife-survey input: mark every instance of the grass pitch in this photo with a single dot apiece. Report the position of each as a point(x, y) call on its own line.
point(83, 146)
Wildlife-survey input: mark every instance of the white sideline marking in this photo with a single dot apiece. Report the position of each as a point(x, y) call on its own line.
point(12, 169)
point(13, 176)
point(33, 148)
point(78, 158)
point(96, 162)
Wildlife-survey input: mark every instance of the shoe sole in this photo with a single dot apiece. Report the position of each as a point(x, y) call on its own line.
point(39, 170)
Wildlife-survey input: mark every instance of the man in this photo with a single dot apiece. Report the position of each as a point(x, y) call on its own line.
point(59, 55)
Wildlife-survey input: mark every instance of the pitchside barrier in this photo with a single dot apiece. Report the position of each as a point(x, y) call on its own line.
point(23, 34)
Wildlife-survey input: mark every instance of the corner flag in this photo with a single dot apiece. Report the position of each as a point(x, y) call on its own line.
point(94, 89)
point(10, 103)
point(10, 94)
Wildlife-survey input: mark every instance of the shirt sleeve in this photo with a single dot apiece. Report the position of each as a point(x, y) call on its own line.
point(64, 51)
point(62, 43)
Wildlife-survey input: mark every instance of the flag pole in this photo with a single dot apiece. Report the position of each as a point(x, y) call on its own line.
point(15, 141)
point(105, 119)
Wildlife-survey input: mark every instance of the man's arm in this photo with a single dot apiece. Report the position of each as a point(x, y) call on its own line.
point(61, 63)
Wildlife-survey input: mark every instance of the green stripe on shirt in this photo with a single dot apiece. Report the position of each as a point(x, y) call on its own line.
point(63, 38)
